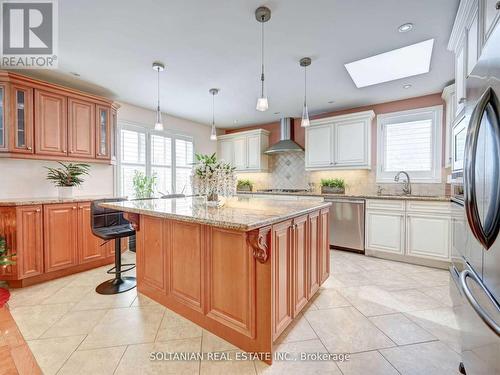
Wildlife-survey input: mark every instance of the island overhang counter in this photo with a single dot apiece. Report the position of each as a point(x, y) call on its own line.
point(243, 271)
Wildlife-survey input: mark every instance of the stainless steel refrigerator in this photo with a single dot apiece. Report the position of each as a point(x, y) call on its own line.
point(476, 220)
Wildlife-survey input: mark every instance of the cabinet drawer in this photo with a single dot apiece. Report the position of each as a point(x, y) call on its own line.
point(429, 206)
point(385, 204)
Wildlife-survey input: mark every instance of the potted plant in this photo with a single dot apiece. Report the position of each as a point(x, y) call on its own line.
point(68, 176)
point(144, 186)
point(244, 185)
point(5, 260)
point(332, 186)
point(213, 179)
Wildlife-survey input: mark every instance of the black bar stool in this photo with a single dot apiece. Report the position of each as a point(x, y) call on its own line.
point(110, 224)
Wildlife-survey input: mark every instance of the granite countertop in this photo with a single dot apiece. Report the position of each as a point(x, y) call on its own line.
point(352, 196)
point(50, 200)
point(238, 213)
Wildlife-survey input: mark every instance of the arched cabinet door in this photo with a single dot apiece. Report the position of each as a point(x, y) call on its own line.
point(482, 169)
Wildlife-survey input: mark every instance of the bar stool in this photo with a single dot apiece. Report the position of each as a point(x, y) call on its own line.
point(110, 224)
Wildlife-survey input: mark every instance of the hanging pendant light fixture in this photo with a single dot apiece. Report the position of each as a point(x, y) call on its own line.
point(305, 62)
point(213, 133)
point(262, 14)
point(159, 67)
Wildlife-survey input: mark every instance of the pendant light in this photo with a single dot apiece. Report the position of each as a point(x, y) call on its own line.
point(262, 14)
point(213, 133)
point(305, 62)
point(159, 67)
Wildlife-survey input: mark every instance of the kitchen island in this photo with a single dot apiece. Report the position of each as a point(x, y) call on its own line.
point(243, 271)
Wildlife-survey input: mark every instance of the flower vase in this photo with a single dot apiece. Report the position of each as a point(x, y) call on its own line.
point(213, 200)
point(65, 192)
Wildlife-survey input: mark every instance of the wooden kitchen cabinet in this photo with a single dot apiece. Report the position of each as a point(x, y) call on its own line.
point(324, 244)
point(51, 123)
point(300, 263)
point(40, 120)
point(3, 118)
point(103, 130)
point(281, 279)
point(313, 254)
point(29, 241)
point(81, 128)
point(60, 236)
point(90, 247)
point(21, 132)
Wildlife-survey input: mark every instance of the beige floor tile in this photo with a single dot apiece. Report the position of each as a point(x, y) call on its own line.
point(33, 295)
point(217, 367)
point(372, 363)
point(448, 295)
point(142, 300)
point(67, 294)
point(51, 354)
point(414, 300)
point(299, 367)
point(328, 298)
point(94, 300)
point(174, 327)
point(298, 330)
point(430, 358)
point(213, 343)
point(75, 323)
point(432, 277)
point(352, 278)
point(345, 330)
point(333, 283)
point(133, 325)
point(33, 321)
point(94, 362)
point(401, 330)
point(136, 359)
point(448, 324)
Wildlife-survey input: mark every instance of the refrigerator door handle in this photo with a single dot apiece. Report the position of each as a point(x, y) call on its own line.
point(490, 322)
point(487, 105)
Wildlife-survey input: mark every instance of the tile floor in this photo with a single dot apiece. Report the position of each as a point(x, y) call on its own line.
point(392, 317)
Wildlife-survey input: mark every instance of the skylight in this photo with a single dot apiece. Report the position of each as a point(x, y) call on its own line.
point(399, 63)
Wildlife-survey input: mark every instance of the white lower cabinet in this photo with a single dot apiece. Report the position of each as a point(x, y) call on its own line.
point(385, 231)
point(408, 230)
point(428, 236)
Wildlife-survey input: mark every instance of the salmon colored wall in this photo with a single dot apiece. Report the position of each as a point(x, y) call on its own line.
point(395, 106)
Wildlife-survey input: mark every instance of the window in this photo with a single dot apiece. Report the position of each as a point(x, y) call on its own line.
point(169, 157)
point(410, 141)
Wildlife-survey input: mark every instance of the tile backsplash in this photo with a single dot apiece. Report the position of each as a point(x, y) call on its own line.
point(287, 171)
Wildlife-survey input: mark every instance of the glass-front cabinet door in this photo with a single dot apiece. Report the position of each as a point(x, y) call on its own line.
point(114, 132)
point(3, 131)
point(103, 141)
point(22, 117)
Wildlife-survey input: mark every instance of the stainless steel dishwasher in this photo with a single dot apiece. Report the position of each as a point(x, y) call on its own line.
point(347, 224)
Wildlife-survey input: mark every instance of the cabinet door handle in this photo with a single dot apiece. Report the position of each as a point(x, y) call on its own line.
point(497, 5)
point(74, 208)
point(28, 148)
point(462, 100)
point(37, 210)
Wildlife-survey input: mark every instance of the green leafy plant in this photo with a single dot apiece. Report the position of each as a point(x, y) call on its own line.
point(68, 175)
point(333, 182)
point(5, 257)
point(143, 185)
point(243, 184)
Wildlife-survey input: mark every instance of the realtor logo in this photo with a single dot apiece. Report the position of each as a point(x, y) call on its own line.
point(29, 34)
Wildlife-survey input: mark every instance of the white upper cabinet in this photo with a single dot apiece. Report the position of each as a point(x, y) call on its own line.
point(245, 150)
point(339, 142)
point(319, 146)
point(490, 10)
point(449, 99)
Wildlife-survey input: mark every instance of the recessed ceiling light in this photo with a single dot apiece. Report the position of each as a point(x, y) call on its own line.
point(404, 28)
point(75, 74)
point(331, 102)
point(407, 86)
point(235, 121)
point(277, 113)
point(399, 63)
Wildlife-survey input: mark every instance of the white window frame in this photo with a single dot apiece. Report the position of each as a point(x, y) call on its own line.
point(138, 127)
point(434, 113)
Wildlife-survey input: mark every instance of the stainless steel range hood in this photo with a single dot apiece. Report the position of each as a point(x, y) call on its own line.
point(286, 144)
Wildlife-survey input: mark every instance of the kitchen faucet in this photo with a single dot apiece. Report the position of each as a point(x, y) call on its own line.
point(406, 184)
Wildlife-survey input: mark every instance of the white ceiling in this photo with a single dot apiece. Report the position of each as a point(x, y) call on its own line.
point(216, 43)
